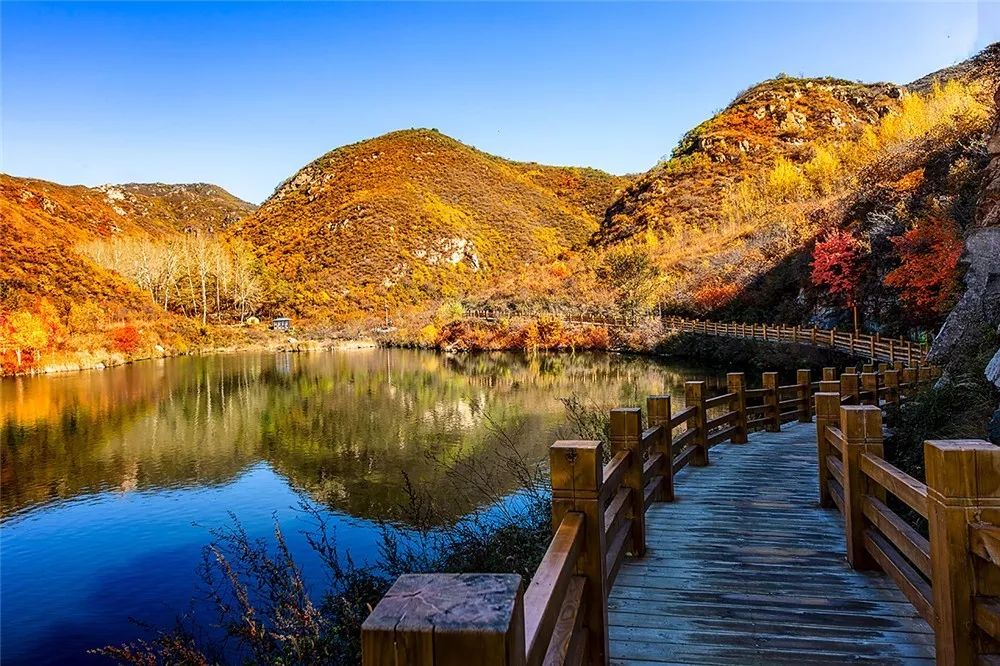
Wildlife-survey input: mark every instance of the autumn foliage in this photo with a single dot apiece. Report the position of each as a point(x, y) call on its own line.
point(714, 295)
point(837, 268)
point(927, 276)
point(125, 339)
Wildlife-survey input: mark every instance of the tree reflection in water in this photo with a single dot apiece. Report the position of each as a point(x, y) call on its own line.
point(341, 426)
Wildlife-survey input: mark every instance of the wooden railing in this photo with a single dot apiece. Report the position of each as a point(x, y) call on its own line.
point(598, 518)
point(952, 575)
point(874, 347)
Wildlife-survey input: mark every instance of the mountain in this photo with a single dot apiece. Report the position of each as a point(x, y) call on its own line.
point(413, 216)
point(45, 224)
point(730, 219)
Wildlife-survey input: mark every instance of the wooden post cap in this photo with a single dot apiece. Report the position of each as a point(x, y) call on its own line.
point(963, 468)
point(469, 619)
point(577, 466)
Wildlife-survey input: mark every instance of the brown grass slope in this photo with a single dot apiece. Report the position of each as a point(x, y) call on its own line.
point(413, 216)
point(781, 117)
point(739, 205)
point(43, 224)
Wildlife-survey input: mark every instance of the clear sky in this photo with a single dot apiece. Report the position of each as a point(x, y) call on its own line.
point(243, 95)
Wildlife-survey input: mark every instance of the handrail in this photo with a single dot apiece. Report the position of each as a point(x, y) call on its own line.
point(598, 512)
point(937, 574)
point(873, 346)
point(545, 594)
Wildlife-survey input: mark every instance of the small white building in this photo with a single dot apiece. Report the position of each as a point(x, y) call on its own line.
point(281, 324)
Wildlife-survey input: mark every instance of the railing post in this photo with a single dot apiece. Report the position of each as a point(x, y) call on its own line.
point(694, 396)
point(804, 379)
point(658, 409)
point(849, 388)
point(829, 374)
point(910, 379)
point(862, 428)
point(892, 351)
point(867, 367)
point(892, 387)
point(871, 347)
point(736, 384)
point(769, 380)
point(869, 382)
point(827, 414)
point(577, 469)
point(436, 619)
point(963, 487)
point(830, 387)
point(626, 435)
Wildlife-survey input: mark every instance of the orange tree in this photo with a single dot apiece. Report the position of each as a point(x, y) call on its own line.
point(26, 331)
point(838, 265)
point(927, 276)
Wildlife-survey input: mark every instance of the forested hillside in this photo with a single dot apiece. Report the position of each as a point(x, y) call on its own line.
point(402, 221)
point(804, 201)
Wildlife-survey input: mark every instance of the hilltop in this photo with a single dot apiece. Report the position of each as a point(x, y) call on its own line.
point(46, 224)
point(413, 216)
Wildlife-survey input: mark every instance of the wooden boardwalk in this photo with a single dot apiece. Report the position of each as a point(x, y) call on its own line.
point(745, 568)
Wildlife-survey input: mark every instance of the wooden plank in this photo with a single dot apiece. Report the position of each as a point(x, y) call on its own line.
point(909, 581)
point(911, 492)
point(615, 470)
point(984, 541)
point(567, 643)
point(987, 616)
point(545, 594)
point(683, 458)
point(616, 553)
point(721, 436)
point(913, 545)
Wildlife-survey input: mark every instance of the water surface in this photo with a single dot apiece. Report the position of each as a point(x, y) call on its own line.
point(110, 480)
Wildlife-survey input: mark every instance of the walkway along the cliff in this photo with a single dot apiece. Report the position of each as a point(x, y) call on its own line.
point(873, 347)
point(784, 546)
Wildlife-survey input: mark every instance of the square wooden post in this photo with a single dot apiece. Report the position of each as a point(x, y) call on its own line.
point(577, 476)
point(871, 347)
point(892, 351)
point(869, 382)
point(769, 380)
point(626, 435)
point(447, 620)
point(862, 428)
point(804, 379)
point(849, 389)
point(830, 386)
point(694, 396)
point(892, 387)
point(658, 409)
point(909, 381)
point(736, 384)
point(963, 487)
point(867, 367)
point(827, 414)
point(829, 374)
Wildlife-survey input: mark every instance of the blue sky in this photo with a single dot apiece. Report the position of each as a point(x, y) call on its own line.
point(244, 94)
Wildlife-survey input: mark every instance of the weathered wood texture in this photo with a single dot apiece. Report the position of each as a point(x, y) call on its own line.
point(746, 568)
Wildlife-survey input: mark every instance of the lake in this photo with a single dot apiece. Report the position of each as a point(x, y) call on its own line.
point(111, 480)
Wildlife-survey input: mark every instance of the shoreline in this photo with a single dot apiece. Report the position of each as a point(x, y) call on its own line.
point(83, 361)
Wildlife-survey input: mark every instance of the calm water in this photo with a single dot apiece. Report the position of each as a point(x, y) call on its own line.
point(110, 481)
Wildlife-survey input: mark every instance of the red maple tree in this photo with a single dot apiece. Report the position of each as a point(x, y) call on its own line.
point(838, 264)
point(927, 277)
